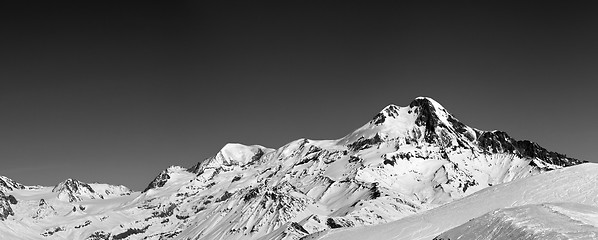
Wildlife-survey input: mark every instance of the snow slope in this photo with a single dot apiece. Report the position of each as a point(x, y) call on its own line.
point(577, 184)
point(537, 221)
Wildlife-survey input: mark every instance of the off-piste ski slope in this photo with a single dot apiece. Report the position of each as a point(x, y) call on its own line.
point(577, 184)
point(534, 221)
point(404, 161)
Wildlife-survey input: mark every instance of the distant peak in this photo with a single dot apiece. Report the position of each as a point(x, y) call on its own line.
point(70, 181)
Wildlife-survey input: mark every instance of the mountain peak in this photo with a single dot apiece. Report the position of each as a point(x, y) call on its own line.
point(73, 190)
point(7, 184)
point(424, 116)
point(430, 113)
point(427, 102)
point(232, 154)
point(426, 107)
point(69, 182)
point(429, 106)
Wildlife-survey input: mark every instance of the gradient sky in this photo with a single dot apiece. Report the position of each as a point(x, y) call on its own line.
point(116, 93)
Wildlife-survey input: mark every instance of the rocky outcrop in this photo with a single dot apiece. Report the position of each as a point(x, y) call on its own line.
point(5, 208)
point(158, 181)
point(501, 142)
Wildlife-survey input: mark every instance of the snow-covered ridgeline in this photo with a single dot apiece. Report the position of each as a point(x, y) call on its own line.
point(404, 161)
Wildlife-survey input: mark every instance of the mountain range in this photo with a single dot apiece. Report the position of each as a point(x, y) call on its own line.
point(404, 163)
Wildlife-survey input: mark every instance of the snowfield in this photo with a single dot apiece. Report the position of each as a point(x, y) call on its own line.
point(577, 184)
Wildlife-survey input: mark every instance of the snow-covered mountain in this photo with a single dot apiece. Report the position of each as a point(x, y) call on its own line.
point(404, 161)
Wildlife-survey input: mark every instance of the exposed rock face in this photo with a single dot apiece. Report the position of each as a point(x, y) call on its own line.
point(389, 111)
point(159, 181)
point(501, 142)
point(5, 208)
point(7, 185)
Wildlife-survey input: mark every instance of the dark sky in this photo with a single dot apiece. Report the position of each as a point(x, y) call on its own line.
point(116, 93)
